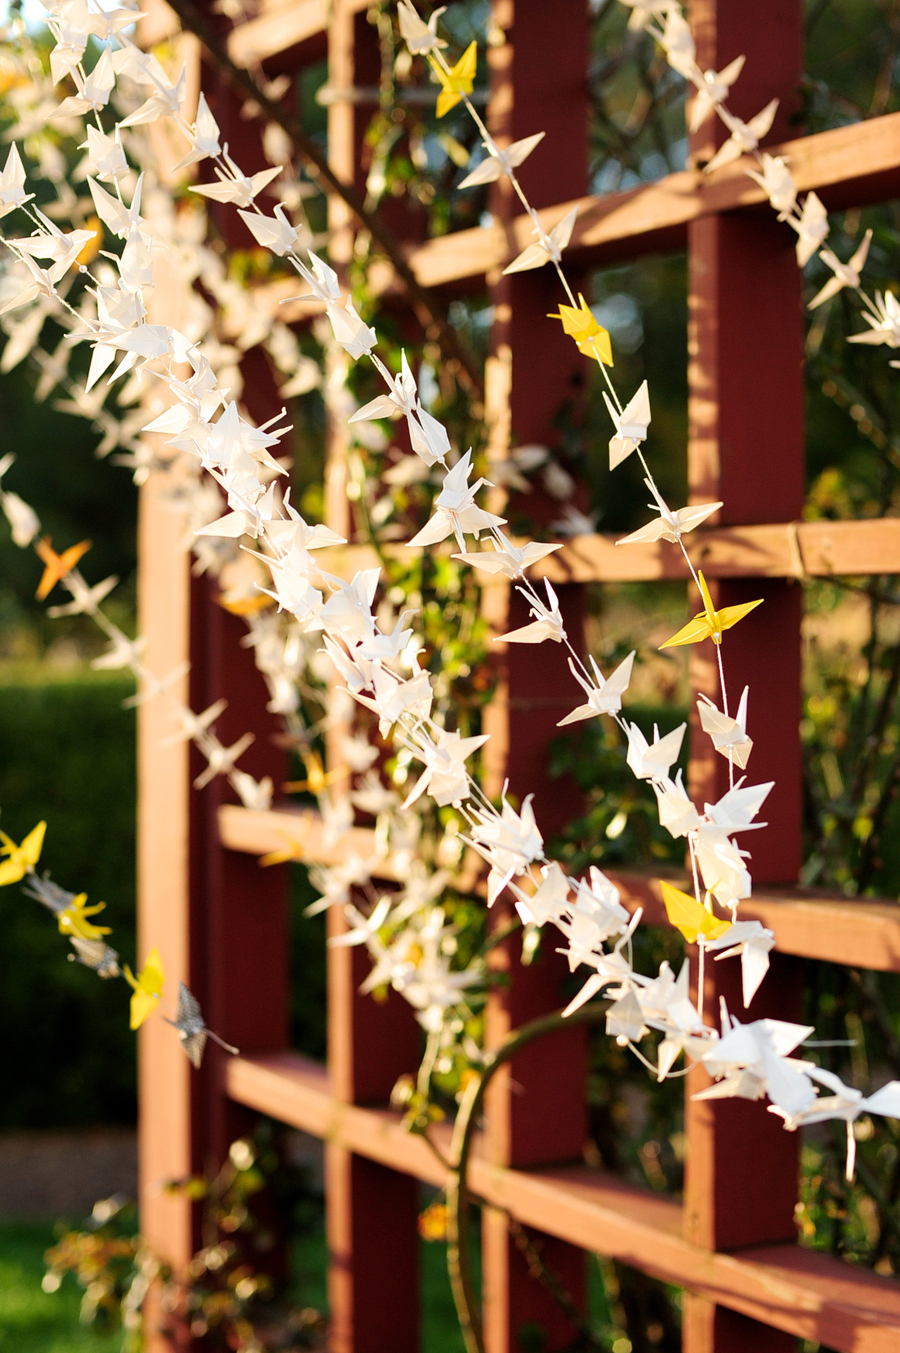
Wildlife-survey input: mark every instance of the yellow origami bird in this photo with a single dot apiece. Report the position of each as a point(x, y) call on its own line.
point(590, 336)
point(92, 248)
point(318, 777)
point(710, 623)
point(689, 916)
point(293, 850)
point(244, 605)
point(23, 858)
point(73, 920)
point(148, 988)
point(56, 566)
point(457, 81)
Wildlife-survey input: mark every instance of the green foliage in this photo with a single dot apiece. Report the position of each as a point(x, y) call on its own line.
point(621, 821)
point(76, 496)
point(32, 1321)
point(68, 1055)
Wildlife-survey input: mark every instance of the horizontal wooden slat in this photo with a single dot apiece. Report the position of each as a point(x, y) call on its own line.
point(301, 832)
point(848, 166)
point(275, 28)
point(858, 933)
point(815, 549)
point(807, 1294)
point(811, 549)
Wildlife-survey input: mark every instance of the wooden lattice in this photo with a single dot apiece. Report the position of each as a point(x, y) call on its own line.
point(732, 1245)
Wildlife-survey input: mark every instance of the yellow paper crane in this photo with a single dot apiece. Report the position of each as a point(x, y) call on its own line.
point(23, 858)
point(318, 777)
point(690, 916)
point(92, 248)
point(73, 920)
point(457, 81)
point(710, 623)
point(590, 336)
point(56, 566)
point(148, 988)
point(293, 850)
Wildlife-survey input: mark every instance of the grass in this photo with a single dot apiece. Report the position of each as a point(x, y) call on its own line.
point(33, 1321)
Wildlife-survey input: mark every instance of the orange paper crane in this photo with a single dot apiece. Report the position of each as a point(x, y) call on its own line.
point(56, 566)
point(590, 336)
point(710, 623)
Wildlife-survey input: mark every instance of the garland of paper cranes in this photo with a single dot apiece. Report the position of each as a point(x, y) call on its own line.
point(100, 299)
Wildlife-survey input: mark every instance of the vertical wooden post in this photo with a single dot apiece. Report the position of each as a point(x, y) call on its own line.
point(167, 1147)
point(747, 448)
point(536, 1111)
point(371, 1220)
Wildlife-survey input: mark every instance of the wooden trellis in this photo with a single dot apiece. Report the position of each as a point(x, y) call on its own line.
point(221, 922)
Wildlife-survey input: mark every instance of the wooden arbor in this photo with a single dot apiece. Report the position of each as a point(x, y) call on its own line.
point(731, 1246)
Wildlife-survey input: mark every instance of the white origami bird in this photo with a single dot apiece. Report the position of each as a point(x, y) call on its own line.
point(61, 249)
point(118, 218)
point(651, 761)
point(12, 183)
point(445, 776)
point(273, 233)
point(235, 187)
point(221, 759)
point(604, 697)
point(745, 136)
point(777, 182)
point(676, 811)
point(548, 248)
point(85, 599)
point(105, 156)
point(631, 425)
point(510, 560)
point(738, 807)
point(165, 102)
point(402, 396)
point(456, 512)
point(93, 90)
point(419, 37)
point(753, 942)
point(845, 274)
point(548, 901)
point(729, 736)
point(394, 697)
point(750, 1060)
point(23, 520)
point(668, 525)
point(713, 90)
point(721, 864)
point(353, 334)
point(502, 162)
point(811, 228)
point(884, 319)
point(203, 136)
point(508, 841)
point(678, 41)
point(255, 794)
point(547, 623)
